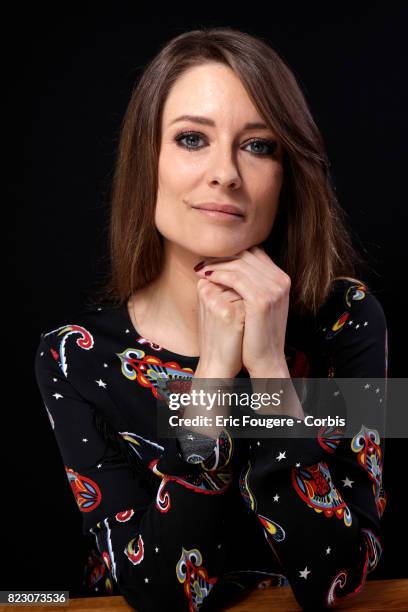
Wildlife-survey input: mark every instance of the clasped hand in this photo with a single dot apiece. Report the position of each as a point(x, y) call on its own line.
point(264, 289)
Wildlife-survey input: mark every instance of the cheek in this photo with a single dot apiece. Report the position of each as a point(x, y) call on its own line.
point(272, 190)
point(164, 215)
point(176, 170)
point(268, 204)
point(168, 174)
point(267, 198)
point(275, 180)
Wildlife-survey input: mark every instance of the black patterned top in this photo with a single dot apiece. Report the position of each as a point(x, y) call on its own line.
point(172, 534)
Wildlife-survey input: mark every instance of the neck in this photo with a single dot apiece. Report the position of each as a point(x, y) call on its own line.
point(173, 297)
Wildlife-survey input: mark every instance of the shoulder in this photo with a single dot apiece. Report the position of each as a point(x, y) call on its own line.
point(352, 330)
point(83, 333)
point(78, 322)
point(87, 322)
point(350, 303)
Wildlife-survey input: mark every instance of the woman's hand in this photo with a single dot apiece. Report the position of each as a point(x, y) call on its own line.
point(221, 316)
point(265, 289)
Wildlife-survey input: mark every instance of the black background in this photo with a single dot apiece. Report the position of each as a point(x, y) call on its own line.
point(77, 64)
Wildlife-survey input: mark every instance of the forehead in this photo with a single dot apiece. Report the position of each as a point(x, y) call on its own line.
point(210, 90)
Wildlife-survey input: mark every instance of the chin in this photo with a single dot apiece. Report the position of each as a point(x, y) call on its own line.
point(218, 250)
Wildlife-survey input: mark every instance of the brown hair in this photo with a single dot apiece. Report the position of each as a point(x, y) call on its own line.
point(309, 240)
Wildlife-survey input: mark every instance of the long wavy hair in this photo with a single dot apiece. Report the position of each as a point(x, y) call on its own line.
point(310, 239)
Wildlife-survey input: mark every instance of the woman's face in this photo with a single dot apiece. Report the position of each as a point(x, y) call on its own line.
point(227, 162)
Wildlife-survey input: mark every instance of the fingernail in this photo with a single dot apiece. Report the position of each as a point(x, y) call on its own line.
point(208, 272)
point(199, 265)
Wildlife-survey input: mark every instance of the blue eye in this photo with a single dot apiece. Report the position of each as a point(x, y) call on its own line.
point(271, 145)
point(185, 135)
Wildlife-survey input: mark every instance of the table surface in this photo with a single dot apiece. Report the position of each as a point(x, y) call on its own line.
point(375, 596)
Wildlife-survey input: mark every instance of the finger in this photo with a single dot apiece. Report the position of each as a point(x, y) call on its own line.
point(229, 295)
point(212, 260)
point(262, 256)
point(255, 263)
point(226, 294)
point(257, 275)
point(258, 258)
point(232, 279)
point(253, 293)
point(239, 255)
point(216, 289)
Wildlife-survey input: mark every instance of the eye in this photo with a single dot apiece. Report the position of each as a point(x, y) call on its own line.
point(270, 145)
point(190, 135)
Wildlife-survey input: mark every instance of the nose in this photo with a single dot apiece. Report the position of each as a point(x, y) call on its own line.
point(224, 169)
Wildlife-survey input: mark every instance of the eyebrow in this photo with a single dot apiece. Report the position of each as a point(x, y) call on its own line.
point(207, 121)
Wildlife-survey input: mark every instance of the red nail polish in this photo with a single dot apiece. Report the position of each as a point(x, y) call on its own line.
point(199, 266)
point(208, 272)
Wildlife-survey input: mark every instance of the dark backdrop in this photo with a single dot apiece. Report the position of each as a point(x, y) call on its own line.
point(80, 65)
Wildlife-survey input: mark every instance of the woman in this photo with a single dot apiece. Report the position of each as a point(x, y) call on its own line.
point(230, 258)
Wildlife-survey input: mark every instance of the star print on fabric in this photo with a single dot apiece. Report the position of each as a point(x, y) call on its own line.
point(304, 573)
point(195, 495)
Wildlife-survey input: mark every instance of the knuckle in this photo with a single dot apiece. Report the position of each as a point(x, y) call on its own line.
point(280, 294)
point(234, 276)
point(265, 302)
point(204, 291)
point(286, 281)
point(225, 314)
point(202, 285)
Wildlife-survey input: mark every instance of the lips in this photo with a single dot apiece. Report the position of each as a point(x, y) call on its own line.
point(231, 209)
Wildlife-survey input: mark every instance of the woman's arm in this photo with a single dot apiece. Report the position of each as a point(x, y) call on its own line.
point(320, 504)
point(163, 548)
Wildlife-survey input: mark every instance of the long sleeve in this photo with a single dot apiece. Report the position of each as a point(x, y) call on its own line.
point(320, 499)
point(163, 548)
